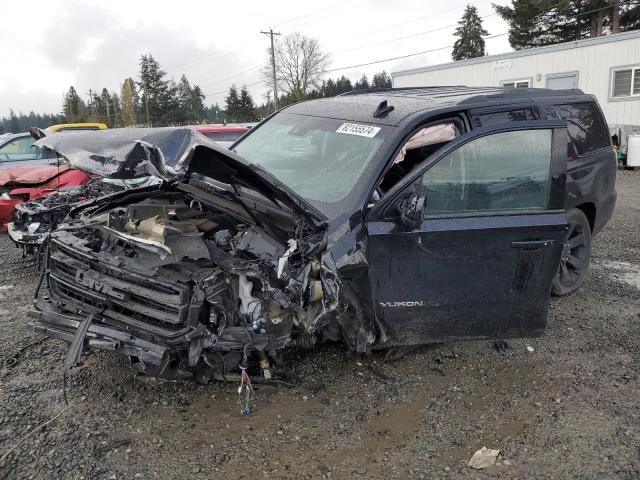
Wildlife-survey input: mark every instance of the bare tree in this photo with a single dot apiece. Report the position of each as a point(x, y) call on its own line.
point(300, 65)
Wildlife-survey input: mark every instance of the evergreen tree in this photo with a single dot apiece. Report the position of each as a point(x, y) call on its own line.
point(155, 91)
point(362, 84)
point(73, 107)
point(21, 123)
point(343, 85)
point(629, 18)
point(470, 43)
point(381, 80)
point(197, 104)
point(233, 104)
point(183, 92)
point(169, 106)
point(116, 111)
point(103, 108)
point(329, 89)
point(214, 114)
point(546, 22)
point(129, 101)
point(14, 123)
point(246, 106)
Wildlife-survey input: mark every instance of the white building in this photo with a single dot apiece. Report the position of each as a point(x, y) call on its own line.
point(607, 67)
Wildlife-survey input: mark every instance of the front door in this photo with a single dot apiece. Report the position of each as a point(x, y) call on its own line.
point(480, 259)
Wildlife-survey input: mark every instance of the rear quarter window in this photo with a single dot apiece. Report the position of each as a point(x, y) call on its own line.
point(587, 129)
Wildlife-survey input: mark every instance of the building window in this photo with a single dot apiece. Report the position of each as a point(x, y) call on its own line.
point(626, 82)
point(523, 83)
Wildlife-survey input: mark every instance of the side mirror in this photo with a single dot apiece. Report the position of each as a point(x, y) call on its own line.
point(411, 209)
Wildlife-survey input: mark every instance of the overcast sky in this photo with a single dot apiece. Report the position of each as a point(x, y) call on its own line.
point(48, 45)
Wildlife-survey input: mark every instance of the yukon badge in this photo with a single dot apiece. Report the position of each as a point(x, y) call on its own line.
point(415, 303)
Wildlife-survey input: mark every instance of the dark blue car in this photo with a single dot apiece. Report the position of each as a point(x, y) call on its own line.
point(378, 219)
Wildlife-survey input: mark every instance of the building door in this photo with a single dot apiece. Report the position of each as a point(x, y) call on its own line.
point(561, 81)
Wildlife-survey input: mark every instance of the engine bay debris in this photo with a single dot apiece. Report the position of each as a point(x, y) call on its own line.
point(193, 277)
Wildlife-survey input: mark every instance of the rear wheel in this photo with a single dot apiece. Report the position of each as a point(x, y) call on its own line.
point(576, 255)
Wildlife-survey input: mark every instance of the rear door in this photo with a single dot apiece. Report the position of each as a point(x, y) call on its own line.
point(480, 260)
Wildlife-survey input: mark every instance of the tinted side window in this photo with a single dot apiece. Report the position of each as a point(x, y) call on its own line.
point(587, 129)
point(500, 118)
point(503, 171)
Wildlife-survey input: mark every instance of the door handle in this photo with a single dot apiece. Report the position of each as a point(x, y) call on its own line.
point(532, 244)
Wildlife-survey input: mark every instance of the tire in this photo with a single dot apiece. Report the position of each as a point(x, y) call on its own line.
point(576, 255)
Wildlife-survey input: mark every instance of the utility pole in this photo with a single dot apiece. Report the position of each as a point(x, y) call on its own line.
point(271, 33)
point(115, 110)
point(91, 105)
point(108, 122)
point(146, 101)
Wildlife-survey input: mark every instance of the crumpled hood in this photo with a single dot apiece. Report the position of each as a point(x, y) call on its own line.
point(29, 174)
point(171, 154)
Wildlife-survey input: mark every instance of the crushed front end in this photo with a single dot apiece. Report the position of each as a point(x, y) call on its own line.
point(183, 287)
point(35, 219)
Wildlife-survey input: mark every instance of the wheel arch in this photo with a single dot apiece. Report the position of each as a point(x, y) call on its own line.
point(589, 210)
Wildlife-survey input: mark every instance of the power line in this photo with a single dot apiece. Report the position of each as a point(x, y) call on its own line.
point(408, 36)
point(293, 19)
point(405, 56)
point(232, 76)
point(339, 51)
point(421, 52)
point(414, 20)
point(444, 48)
point(213, 94)
point(338, 11)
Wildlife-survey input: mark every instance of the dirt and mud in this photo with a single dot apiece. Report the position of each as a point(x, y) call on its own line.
point(563, 405)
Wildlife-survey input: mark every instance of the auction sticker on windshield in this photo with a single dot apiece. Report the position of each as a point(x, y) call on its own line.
point(357, 129)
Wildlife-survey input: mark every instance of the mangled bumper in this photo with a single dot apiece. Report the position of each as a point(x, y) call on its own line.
point(25, 239)
point(6, 212)
point(151, 357)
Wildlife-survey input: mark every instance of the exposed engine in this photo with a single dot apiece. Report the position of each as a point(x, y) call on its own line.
point(184, 288)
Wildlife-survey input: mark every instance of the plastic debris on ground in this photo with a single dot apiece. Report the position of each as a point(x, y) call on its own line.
point(483, 458)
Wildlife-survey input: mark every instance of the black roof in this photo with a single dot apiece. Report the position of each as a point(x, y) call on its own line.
point(359, 105)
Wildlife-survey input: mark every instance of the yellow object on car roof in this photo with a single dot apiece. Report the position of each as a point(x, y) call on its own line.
point(75, 126)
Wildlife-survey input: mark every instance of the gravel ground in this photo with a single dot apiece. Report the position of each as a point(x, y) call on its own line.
point(567, 409)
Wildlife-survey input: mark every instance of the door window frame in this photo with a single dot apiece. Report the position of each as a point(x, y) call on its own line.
point(461, 124)
point(557, 173)
point(491, 213)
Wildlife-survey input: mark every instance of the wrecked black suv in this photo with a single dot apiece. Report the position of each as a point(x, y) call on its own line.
point(383, 219)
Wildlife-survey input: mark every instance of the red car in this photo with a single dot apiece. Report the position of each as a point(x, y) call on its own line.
point(224, 135)
point(21, 184)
